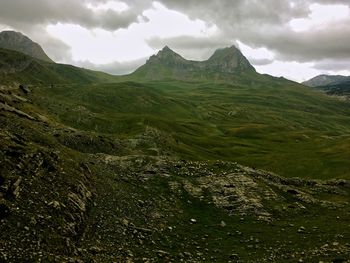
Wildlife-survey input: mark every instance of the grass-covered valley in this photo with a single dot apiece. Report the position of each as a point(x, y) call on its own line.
point(179, 162)
point(274, 125)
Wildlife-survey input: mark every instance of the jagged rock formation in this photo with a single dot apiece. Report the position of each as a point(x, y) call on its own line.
point(21, 43)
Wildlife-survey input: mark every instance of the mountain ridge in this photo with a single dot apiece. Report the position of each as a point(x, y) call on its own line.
point(19, 42)
point(17, 67)
point(169, 64)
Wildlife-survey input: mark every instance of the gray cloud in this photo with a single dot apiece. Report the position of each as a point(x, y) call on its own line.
point(333, 65)
point(55, 48)
point(188, 42)
point(32, 16)
point(198, 48)
point(260, 62)
point(265, 24)
point(115, 68)
point(318, 44)
point(24, 13)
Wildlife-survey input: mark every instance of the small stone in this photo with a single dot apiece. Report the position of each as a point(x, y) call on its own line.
point(95, 250)
point(125, 222)
point(301, 229)
point(193, 220)
point(4, 211)
point(55, 204)
point(33, 221)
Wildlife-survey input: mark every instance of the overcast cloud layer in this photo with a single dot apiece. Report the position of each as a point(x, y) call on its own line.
point(313, 36)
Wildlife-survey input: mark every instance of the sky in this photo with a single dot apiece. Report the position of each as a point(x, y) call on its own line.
point(296, 39)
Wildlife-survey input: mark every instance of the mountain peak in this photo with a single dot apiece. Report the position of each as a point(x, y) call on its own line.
point(166, 56)
point(230, 60)
point(17, 41)
point(167, 49)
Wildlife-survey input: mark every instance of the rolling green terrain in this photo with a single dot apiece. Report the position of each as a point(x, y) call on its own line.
point(179, 162)
point(274, 125)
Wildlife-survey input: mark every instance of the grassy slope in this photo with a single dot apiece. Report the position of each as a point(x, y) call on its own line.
point(15, 66)
point(274, 125)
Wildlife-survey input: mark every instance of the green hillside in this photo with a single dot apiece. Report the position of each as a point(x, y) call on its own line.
point(18, 67)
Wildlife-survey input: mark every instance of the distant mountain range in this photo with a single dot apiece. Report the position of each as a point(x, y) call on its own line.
point(324, 80)
point(225, 64)
point(332, 84)
point(17, 41)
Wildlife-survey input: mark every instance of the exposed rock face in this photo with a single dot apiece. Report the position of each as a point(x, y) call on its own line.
point(19, 42)
point(246, 191)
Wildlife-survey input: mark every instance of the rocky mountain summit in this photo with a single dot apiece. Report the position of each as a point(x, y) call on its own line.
point(228, 60)
point(17, 41)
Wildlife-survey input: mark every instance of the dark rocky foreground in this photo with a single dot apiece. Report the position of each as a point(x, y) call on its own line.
point(72, 196)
